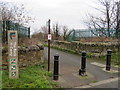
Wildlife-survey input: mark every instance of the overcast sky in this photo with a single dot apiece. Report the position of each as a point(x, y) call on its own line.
point(65, 12)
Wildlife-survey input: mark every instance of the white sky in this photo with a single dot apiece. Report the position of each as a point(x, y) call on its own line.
point(65, 12)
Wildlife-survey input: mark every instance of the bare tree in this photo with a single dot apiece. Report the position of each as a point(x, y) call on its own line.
point(65, 31)
point(18, 14)
point(117, 27)
point(104, 24)
point(56, 31)
point(44, 30)
point(15, 13)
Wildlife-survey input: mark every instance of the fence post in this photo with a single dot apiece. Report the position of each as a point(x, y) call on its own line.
point(29, 32)
point(56, 67)
point(82, 71)
point(108, 61)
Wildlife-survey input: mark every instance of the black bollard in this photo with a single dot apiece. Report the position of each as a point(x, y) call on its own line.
point(83, 64)
point(56, 67)
point(108, 61)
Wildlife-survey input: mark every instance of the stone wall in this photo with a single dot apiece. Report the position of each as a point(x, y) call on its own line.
point(93, 48)
point(27, 56)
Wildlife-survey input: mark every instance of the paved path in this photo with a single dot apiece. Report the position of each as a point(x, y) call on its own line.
point(69, 67)
point(111, 83)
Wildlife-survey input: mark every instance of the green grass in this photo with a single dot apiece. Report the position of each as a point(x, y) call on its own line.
point(30, 77)
point(63, 49)
point(115, 58)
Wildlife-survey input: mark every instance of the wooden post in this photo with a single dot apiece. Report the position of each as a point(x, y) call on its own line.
point(29, 32)
point(49, 45)
point(13, 54)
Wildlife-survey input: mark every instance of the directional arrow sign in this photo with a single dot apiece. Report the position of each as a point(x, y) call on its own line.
point(12, 61)
point(12, 35)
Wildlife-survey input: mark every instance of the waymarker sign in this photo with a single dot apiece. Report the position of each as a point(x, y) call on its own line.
point(13, 53)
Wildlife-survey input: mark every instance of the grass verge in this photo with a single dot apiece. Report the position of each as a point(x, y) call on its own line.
point(115, 59)
point(63, 49)
point(30, 77)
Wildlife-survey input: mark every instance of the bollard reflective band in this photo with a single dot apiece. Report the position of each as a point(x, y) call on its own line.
point(109, 52)
point(83, 54)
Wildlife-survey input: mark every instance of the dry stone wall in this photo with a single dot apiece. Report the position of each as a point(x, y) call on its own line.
point(92, 48)
point(27, 56)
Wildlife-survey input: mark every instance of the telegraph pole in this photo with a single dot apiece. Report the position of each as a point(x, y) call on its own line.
point(49, 38)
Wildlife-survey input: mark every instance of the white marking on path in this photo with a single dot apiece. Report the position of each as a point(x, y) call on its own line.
point(111, 71)
point(103, 66)
point(99, 83)
point(98, 64)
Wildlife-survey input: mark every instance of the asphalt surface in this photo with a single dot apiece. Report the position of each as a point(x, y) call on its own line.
point(108, 85)
point(69, 67)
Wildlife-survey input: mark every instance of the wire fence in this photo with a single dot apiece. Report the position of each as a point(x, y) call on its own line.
point(75, 35)
point(9, 25)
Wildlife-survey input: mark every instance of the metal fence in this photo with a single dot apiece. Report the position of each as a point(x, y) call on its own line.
point(75, 35)
point(9, 25)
